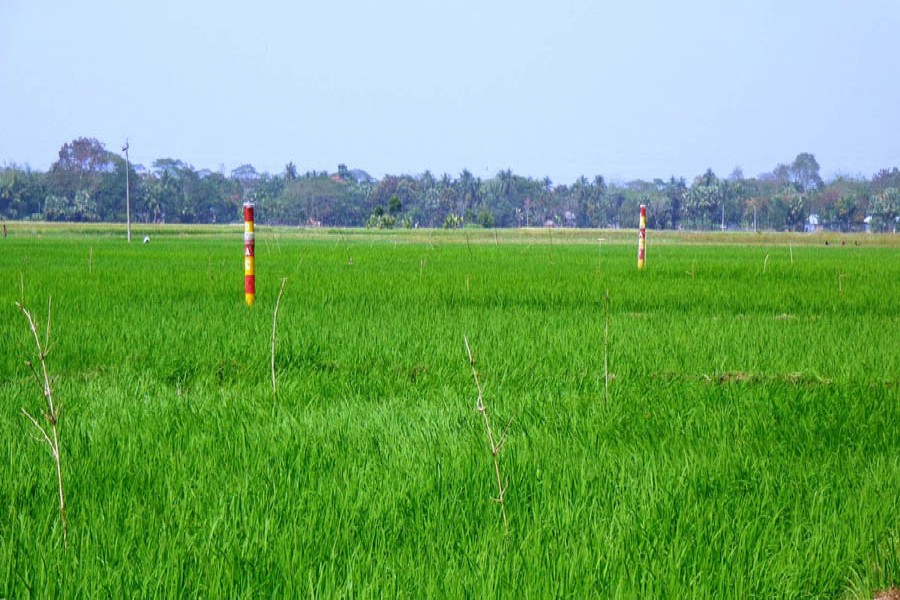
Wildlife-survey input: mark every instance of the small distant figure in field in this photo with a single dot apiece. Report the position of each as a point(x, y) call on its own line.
point(826, 242)
point(146, 239)
point(4, 230)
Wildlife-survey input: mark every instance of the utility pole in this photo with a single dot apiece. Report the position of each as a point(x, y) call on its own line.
point(127, 190)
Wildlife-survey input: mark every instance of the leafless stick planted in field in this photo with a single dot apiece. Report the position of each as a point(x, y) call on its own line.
point(209, 269)
point(765, 262)
point(606, 351)
point(51, 415)
point(274, 329)
point(600, 253)
point(277, 242)
point(495, 446)
point(343, 240)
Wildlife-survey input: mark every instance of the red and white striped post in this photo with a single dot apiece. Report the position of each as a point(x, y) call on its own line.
point(642, 239)
point(249, 251)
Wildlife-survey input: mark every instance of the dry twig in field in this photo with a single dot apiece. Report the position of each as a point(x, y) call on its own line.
point(606, 351)
point(495, 446)
point(274, 329)
point(51, 415)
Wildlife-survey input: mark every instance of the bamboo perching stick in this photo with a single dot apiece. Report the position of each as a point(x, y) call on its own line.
point(495, 446)
point(51, 415)
point(274, 330)
point(606, 351)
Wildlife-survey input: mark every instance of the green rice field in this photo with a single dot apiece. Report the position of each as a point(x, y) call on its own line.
point(747, 444)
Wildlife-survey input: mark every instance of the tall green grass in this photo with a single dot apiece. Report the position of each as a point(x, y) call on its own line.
point(749, 447)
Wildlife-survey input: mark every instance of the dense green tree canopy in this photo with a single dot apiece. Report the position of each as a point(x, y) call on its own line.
point(87, 183)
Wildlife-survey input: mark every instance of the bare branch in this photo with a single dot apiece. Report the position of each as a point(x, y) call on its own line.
point(40, 428)
point(504, 435)
point(51, 415)
point(495, 448)
point(47, 333)
point(37, 377)
point(274, 329)
point(606, 350)
point(479, 404)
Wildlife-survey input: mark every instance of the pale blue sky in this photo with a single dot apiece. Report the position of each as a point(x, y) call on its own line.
point(630, 89)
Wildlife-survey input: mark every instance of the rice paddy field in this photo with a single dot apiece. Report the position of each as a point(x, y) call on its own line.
point(746, 444)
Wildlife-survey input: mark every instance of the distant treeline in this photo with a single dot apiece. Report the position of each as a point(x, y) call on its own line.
point(88, 183)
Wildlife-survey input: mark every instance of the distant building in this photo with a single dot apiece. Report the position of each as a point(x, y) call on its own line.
point(813, 224)
point(361, 176)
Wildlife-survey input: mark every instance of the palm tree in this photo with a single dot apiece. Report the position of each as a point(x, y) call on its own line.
point(467, 191)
